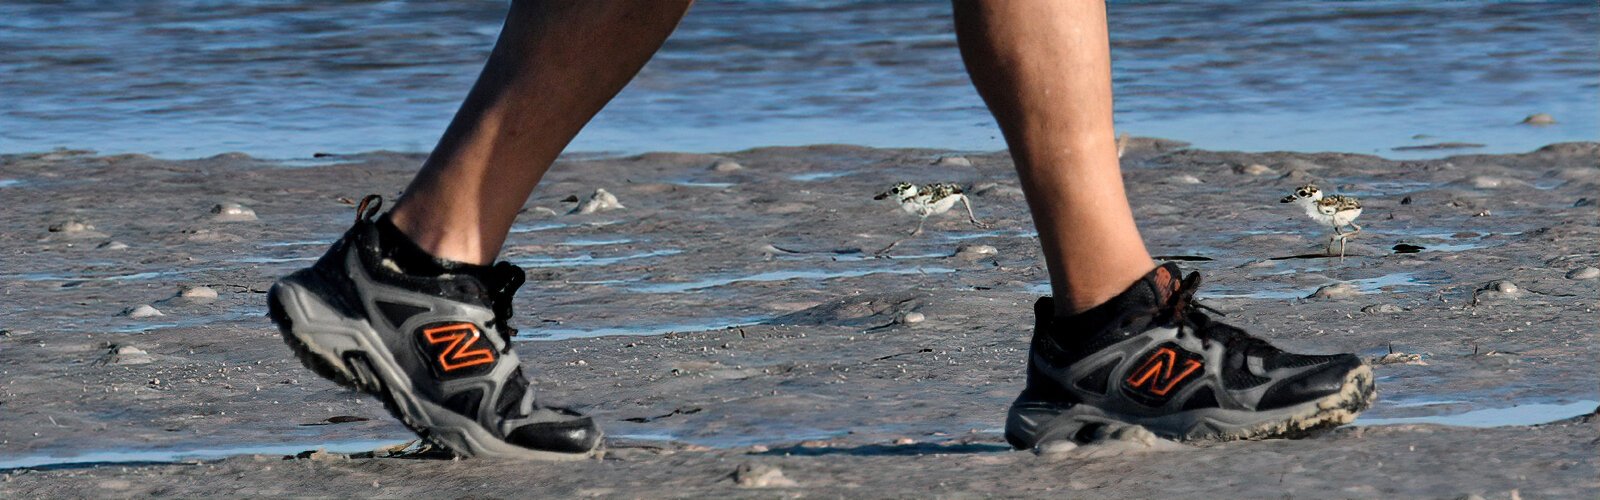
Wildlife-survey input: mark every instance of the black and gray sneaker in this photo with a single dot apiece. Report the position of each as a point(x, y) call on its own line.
point(1150, 357)
point(435, 349)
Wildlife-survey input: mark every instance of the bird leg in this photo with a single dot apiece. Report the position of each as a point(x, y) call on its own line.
point(918, 230)
point(913, 234)
point(970, 217)
point(1344, 238)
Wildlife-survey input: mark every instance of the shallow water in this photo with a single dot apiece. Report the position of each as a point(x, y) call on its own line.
point(646, 329)
point(587, 260)
point(816, 274)
point(171, 455)
point(591, 242)
point(147, 275)
point(703, 184)
point(1525, 414)
point(818, 176)
point(189, 78)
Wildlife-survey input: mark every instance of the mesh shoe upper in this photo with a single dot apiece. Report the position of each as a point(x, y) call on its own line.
point(450, 334)
point(1153, 351)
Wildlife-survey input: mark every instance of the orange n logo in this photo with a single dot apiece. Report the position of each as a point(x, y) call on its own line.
point(460, 347)
point(1162, 371)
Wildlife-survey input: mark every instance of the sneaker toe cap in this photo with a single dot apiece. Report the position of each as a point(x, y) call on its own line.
point(1313, 384)
point(576, 435)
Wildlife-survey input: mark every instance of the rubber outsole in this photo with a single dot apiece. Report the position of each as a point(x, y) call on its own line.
point(356, 371)
point(1029, 425)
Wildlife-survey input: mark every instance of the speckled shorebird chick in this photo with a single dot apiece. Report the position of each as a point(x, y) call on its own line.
point(929, 200)
point(1335, 211)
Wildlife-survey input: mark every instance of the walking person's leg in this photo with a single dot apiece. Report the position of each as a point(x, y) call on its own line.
point(1121, 341)
point(405, 306)
point(556, 64)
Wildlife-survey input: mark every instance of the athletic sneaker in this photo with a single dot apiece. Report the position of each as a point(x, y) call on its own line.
point(434, 347)
point(1150, 357)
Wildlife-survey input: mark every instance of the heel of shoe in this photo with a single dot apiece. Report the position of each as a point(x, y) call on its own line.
point(1031, 424)
point(277, 310)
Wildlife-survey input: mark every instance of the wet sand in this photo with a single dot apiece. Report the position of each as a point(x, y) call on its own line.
point(627, 315)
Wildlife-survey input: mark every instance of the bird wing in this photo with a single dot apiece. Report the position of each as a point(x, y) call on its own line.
point(1342, 202)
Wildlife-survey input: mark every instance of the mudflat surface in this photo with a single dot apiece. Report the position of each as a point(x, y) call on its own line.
point(627, 316)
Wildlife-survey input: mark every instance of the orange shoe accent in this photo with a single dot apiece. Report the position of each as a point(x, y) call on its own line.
point(460, 352)
point(1166, 284)
point(1157, 372)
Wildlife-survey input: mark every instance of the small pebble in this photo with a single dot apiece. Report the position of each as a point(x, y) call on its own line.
point(232, 212)
point(71, 226)
point(1335, 291)
point(1382, 309)
point(1503, 286)
point(320, 455)
point(1183, 179)
point(1490, 182)
point(725, 165)
point(600, 201)
point(143, 311)
point(1055, 448)
point(1539, 119)
point(975, 251)
point(1399, 358)
point(759, 448)
point(112, 245)
point(1254, 169)
point(911, 318)
point(128, 355)
point(953, 162)
point(1583, 273)
point(199, 293)
point(761, 476)
point(905, 441)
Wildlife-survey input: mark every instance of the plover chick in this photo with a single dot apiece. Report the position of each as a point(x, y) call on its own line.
point(925, 201)
point(1334, 211)
point(929, 200)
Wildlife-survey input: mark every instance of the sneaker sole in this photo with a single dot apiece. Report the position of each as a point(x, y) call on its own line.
point(1029, 424)
point(350, 353)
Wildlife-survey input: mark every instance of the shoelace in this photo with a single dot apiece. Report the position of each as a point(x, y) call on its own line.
point(1183, 310)
point(507, 279)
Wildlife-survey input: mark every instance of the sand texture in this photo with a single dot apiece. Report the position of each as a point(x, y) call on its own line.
point(135, 357)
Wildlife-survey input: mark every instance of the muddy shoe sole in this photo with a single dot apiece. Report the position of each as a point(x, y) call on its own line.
point(350, 353)
point(1030, 423)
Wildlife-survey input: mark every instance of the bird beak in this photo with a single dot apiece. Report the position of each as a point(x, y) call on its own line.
point(882, 195)
point(1287, 199)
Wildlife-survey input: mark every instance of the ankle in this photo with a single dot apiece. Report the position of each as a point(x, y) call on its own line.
point(1074, 297)
point(404, 252)
point(439, 241)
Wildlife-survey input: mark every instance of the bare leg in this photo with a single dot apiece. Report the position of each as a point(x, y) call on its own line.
point(555, 65)
point(1044, 69)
